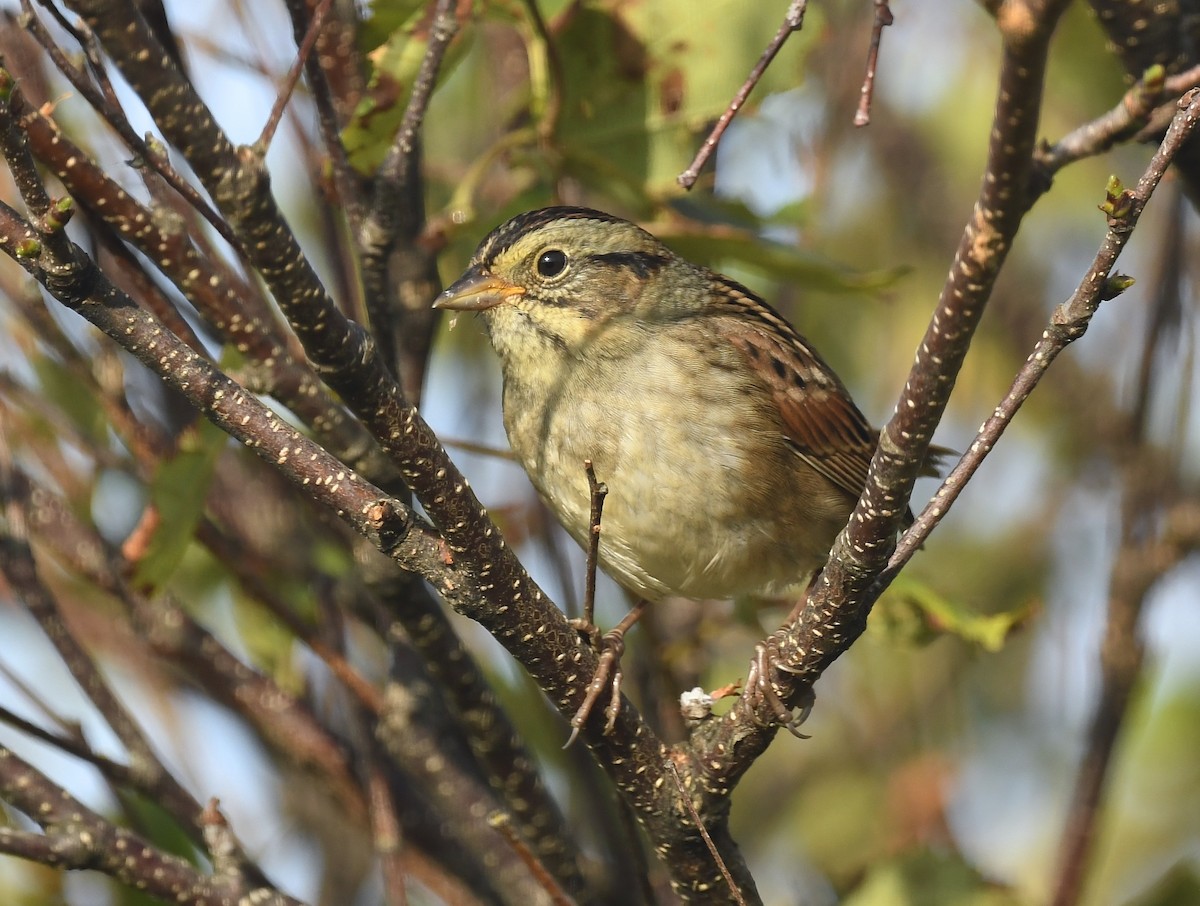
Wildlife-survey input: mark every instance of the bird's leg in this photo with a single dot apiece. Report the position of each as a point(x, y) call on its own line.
point(760, 685)
point(612, 644)
point(608, 672)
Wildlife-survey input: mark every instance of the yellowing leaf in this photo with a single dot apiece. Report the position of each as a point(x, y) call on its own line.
point(915, 612)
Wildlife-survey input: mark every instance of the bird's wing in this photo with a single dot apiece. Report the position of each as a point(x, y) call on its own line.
point(819, 418)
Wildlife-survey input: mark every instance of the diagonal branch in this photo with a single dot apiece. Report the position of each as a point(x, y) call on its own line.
point(399, 272)
point(481, 578)
point(1068, 323)
point(75, 837)
point(835, 611)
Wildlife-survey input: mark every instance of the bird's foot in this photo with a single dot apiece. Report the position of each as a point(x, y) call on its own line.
point(761, 687)
point(608, 675)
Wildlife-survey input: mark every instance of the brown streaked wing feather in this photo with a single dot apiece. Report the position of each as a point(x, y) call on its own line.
point(820, 420)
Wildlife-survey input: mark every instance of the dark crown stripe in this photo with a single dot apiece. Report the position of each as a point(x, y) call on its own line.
point(506, 235)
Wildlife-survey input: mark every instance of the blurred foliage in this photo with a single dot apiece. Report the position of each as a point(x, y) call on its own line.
point(915, 612)
point(178, 493)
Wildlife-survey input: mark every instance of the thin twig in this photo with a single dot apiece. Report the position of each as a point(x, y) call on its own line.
point(293, 77)
point(349, 187)
point(115, 117)
point(502, 823)
point(792, 22)
point(75, 837)
point(399, 276)
point(1068, 323)
point(836, 608)
point(708, 841)
point(598, 491)
point(883, 18)
point(1148, 550)
point(387, 834)
point(1129, 117)
point(470, 446)
point(112, 771)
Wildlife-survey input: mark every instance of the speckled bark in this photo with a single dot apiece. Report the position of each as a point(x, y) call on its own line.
point(1144, 33)
point(835, 612)
point(75, 837)
point(509, 604)
point(494, 589)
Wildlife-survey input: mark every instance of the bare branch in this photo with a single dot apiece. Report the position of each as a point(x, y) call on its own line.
point(835, 612)
point(793, 21)
point(77, 838)
point(883, 18)
point(1068, 323)
point(293, 76)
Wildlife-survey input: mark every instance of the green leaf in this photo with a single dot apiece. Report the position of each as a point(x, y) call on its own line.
point(913, 611)
point(643, 80)
point(157, 825)
point(782, 262)
point(928, 876)
point(394, 65)
point(63, 392)
point(178, 491)
point(385, 18)
point(269, 643)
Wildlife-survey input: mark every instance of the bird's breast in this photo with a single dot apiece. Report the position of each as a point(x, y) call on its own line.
point(702, 499)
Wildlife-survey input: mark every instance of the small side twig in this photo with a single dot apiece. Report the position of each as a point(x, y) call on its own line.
point(293, 77)
point(708, 841)
point(598, 490)
point(502, 823)
point(1133, 113)
point(398, 305)
point(792, 22)
point(1154, 508)
point(387, 833)
point(111, 113)
point(883, 18)
point(1068, 323)
point(350, 187)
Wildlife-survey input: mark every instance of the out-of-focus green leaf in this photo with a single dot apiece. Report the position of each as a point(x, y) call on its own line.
point(160, 828)
point(643, 79)
point(782, 262)
point(270, 643)
point(394, 65)
point(62, 390)
point(385, 17)
point(1180, 887)
point(178, 491)
point(914, 612)
point(1150, 804)
point(926, 878)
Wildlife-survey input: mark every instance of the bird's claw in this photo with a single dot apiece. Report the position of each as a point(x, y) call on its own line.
point(760, 686)
point(608, 674)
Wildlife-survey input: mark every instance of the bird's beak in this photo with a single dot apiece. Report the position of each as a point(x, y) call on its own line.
point(476, 291)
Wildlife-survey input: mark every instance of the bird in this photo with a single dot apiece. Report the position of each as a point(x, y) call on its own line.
point(731, 452)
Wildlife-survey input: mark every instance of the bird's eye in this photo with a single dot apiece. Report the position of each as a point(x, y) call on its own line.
point(551, 262)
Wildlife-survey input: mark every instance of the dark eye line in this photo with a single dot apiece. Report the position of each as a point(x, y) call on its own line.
point(643, 264)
